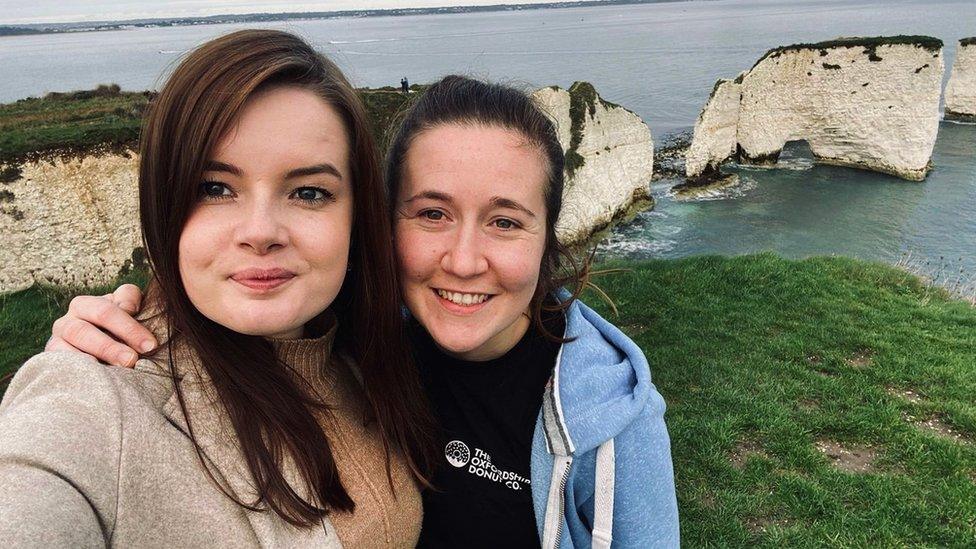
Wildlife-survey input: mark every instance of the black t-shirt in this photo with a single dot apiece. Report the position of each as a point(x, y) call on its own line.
point(487, 411)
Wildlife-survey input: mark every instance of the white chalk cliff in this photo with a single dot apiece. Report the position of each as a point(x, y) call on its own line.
point(960, 93)
point(609, 160)
point(870, 103)
point(714, 139)
point(70, 222)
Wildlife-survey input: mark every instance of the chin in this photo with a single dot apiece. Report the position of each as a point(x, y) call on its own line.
point(456, 345)
point(263, 324)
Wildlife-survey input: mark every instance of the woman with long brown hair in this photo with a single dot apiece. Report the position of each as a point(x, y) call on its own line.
point(280, 407)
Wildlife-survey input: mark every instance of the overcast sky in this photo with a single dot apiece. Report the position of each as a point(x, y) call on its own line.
point(69, 11)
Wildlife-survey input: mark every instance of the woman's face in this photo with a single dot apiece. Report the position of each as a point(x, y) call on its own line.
point(265, 249)
point(470, 234)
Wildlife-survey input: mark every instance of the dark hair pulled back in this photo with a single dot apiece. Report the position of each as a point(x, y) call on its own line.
point(466, 101)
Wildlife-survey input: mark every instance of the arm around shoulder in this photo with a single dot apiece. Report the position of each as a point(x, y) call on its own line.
point(60, 445)
point(645, 512)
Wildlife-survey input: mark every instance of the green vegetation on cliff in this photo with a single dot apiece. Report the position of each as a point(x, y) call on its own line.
point(823, 402)
point(70, 122)
point(869, 43)
point(107, 118)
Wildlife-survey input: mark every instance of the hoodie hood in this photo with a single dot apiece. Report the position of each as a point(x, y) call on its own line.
point(600, 384)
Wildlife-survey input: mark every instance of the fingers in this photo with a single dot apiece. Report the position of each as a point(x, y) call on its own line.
point(58, 344)
point(104, 314)
point(79, 335)
point(128, 297)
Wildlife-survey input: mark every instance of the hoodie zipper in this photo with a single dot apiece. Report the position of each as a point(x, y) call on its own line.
point(555, 508)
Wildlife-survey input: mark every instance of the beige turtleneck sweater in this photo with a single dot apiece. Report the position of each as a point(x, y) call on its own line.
point(382, 518)
point(108, 449)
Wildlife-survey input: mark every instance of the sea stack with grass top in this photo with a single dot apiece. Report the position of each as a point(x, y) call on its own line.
point(609, 160)
point(869, 103)
point(960, 94)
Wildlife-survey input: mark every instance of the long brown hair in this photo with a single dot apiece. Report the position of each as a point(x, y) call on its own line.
point(461, 100)
point(270, 413)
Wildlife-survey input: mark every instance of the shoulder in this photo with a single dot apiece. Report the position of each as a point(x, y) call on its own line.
point(62, 399)
point(63, 378)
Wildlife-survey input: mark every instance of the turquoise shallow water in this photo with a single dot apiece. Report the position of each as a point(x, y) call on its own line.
point(801, 209)
point(659, 60)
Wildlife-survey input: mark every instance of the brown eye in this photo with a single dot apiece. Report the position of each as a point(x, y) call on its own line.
point(312, 194)
point(506, 224)
point(213, 189)
point(433, 215)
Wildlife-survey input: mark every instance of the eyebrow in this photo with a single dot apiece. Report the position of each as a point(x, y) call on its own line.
point(214, 166)
point(430, 195)
point(324, 168)
point(496, 201)
point(500, 202)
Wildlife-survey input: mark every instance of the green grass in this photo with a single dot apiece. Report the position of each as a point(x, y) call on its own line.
point(76, 121)
point(760, 359)
point(107, 118)
point(26, 317)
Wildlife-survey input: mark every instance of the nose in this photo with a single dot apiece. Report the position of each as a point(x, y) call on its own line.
point(466, 258)
point(260, 228)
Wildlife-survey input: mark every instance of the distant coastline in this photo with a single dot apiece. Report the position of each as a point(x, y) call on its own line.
point(96, 26)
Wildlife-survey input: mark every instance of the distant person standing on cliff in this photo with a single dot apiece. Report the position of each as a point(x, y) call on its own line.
point(404, 85)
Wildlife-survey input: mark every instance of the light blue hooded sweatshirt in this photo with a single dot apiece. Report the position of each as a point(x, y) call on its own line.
point(601, 457)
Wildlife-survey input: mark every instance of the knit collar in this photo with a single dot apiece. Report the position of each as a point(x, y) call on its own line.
point(308, 357)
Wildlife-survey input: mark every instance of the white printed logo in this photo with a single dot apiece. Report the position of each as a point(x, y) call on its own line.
point(457, 453)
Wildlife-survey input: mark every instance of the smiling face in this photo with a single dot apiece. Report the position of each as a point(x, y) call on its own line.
point(470, 234)
point(266, 246)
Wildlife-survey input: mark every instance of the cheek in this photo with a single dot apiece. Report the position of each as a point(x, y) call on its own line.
point(519, 269)
point(199, 242)
point(325, 242)
point(417, 254)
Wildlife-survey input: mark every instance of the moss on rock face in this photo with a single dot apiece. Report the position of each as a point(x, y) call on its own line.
point(869, 43)
point(582, 101)
point(971, 41)
point(9, 174)
point(715, 89)
point(959, 116)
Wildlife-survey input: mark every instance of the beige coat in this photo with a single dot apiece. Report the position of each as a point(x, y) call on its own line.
point(99, 456)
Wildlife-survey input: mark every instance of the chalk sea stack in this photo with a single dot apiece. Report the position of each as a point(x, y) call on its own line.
point(609, 160)
point(960, 93)
point(870, 103)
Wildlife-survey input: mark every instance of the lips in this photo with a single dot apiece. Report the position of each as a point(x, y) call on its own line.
point(262, 279)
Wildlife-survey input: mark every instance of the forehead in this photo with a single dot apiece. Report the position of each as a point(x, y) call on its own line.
point(285, 125)
point(475, 161)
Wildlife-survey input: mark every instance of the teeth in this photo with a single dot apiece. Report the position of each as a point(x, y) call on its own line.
point(462, 299)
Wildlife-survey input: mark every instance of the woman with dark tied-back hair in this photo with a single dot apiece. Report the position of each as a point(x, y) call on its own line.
point(552, 432)
point(280, 408)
